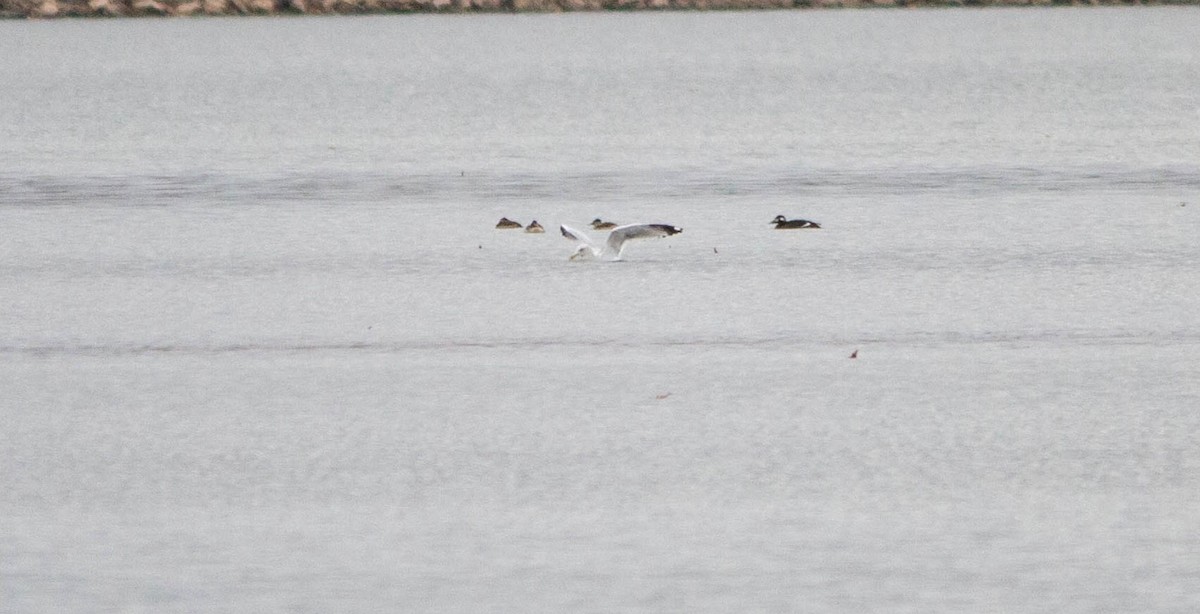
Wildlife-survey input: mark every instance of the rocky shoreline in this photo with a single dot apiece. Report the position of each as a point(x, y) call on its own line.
point(38, 9)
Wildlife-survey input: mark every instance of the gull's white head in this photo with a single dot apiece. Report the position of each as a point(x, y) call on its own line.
point(583, 252)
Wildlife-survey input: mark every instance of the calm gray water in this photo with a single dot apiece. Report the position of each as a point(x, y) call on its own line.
point(261, 349)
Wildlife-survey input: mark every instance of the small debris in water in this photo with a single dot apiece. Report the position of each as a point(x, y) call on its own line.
point(662, 396)
point(854, 354)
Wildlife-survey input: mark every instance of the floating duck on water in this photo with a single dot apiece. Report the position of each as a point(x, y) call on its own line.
point(599, 224)
point(534, 226)
point(507, 223)
point(611, 250)
point(782, 223)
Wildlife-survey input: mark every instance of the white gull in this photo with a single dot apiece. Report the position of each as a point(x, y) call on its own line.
point(611, 250)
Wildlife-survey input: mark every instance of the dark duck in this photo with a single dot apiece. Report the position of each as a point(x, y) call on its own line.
point(782, 223)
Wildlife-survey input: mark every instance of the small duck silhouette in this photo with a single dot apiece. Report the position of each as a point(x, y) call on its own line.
point(507, 223)
point(600, 224)
point(534, 226)
point(782, 223)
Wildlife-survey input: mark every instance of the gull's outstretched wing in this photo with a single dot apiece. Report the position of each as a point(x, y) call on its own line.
point(621, 234)
point(575, 235)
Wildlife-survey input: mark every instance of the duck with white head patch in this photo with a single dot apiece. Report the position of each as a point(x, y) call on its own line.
point(782, 223)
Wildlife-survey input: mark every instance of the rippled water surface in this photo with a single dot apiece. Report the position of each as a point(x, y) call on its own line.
point(261, 348)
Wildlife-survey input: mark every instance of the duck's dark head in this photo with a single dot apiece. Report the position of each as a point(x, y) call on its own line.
point(779, 219)
point(597, 221)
